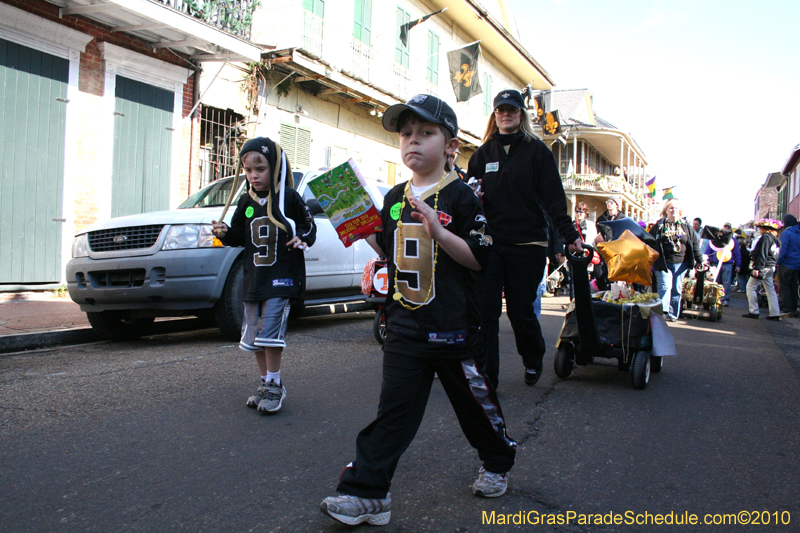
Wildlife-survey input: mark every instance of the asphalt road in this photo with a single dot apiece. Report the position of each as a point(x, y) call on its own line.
point(154, 436)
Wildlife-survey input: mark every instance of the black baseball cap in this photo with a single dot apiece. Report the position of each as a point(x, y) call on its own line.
point(509, 97)
point(425, 106)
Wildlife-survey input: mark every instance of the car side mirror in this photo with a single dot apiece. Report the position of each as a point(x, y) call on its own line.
point(314, 207)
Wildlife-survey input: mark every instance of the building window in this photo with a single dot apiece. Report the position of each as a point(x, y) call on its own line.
point(362, 21)
point(313, 17)
point(296, 141)
point(433, 58)
point(220, 132)
point(487, 94)
point(400, 49)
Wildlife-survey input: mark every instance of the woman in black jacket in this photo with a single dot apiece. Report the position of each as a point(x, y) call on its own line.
point(519, 181)
point(679, 251)
point(764, 258)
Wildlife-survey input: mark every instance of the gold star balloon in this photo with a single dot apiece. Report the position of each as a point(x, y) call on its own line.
point(628, 259)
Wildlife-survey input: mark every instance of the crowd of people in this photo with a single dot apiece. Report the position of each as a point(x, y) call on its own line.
point(454, 252)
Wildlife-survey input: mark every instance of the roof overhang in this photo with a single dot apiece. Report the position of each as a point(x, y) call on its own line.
point(791, 163)
point(337, 84)
point(164, 27)
point(774, 179)
point(476, 21)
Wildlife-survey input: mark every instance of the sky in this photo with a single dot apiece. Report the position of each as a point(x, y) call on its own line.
point(709, 89)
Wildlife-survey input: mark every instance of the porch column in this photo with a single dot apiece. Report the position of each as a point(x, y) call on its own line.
point(575, 155)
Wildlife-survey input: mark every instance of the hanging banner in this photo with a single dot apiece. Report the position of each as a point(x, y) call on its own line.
point(463, 64)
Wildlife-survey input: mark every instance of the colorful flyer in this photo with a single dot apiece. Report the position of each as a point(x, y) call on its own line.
point(347, 202)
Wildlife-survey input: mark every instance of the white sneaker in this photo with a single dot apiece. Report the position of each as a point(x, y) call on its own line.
point(490, 485)
point(352, 510)
point(273, 398)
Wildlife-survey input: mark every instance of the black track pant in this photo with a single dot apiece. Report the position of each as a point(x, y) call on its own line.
point(404, 395)
point(517, 269)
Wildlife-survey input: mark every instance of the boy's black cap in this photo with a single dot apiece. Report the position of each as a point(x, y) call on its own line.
point(426, 107)
point(509, 97)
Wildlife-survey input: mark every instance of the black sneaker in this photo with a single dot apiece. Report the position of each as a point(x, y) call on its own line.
point(531, 376)
point(750, 315)
point(776, 318)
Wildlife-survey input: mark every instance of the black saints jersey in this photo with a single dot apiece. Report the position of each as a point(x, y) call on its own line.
point(271, 270)
point(447, 319)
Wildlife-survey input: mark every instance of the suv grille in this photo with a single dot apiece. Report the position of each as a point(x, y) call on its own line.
point(112, 240)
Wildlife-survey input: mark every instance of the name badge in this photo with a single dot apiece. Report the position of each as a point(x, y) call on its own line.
point(447, 337)
point(283, 282)
point(492, 167)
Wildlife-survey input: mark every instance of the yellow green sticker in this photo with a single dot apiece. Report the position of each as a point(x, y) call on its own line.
point(249, 211)
point(394, 212)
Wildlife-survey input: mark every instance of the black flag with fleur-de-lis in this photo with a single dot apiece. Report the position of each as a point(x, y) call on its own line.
point(464, 71)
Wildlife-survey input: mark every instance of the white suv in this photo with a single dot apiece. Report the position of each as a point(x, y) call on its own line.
point(129, 270)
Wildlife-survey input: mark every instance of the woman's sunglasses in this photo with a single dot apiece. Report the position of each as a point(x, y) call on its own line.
point(581, 211)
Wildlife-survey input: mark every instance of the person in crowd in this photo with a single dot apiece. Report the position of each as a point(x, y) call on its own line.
point(679, 251)
point(789, 266)
point(697, 226)
point(519, 182)
point(765, 257)
point(434, 235)
point(744, 270)
point(727, 269)
point(274, 231)
point(612, 212)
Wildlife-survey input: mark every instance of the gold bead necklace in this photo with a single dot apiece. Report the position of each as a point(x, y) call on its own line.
point(397, 296)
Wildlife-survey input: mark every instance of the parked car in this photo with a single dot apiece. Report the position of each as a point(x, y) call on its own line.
point(129, 270)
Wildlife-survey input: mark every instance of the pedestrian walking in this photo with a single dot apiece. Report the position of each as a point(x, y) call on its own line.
point(274, 266)
point(434, 235)
point(765, 257)
point(519, 182)
point(789, 266)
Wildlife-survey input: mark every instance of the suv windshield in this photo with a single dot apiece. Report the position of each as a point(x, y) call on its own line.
point(214, 195)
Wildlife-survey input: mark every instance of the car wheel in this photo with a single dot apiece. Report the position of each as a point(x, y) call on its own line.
point(379, 325)
point(640, 370)
point(229, 311)
point(119, 326)
point(564, 361)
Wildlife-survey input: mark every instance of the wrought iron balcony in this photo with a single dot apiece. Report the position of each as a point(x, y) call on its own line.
point(232, 16)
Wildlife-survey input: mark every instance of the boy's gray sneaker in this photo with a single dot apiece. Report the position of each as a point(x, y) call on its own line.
point(260, 394)
point(490, 485)
point(352, 510)
point(273, 397)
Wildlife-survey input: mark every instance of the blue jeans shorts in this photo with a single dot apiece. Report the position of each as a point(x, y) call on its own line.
point(264, 324)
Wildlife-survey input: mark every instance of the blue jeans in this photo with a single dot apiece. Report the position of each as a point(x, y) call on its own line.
point(724, 277)
point(670, 286)
point(537, 305)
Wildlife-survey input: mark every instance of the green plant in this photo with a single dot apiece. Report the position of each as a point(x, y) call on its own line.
point(61, 292)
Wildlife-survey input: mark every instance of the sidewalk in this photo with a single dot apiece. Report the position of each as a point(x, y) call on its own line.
point(35, 320)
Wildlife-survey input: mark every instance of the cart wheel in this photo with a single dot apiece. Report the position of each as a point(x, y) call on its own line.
point(379, 325)
point(714, 314)
point(656, 364)
point(565, 360)
point(640, 370)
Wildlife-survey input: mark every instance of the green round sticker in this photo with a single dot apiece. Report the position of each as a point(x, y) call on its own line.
point(394, 212)
point(249, 212)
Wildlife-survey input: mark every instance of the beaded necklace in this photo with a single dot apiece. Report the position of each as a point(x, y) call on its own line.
point(673, 233)
point(397, 296)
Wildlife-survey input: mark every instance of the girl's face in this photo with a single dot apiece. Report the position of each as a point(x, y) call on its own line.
point(257, 171)
point(508, 118)
point(673, 212)
point(580, 214)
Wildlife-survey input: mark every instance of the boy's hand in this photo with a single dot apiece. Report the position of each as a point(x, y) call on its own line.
point(219, 228)
point(425, 214)
point(296, 243)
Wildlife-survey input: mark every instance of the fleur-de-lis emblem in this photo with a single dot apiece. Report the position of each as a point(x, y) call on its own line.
point(551, 125)
point(465, 76)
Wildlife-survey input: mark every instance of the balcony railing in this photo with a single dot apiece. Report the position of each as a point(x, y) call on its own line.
point(362, 59)
point(312, 33)
point(401, 79)
point(232, 16)
point(602, 183)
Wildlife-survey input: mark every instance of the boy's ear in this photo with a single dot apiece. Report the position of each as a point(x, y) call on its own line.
point(451, 146)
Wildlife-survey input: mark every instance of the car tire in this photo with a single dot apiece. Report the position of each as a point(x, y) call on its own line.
point(229, 311)
point(119, 326)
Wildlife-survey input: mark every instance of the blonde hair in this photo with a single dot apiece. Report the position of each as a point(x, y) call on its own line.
point(669, 203)
point(525, 126)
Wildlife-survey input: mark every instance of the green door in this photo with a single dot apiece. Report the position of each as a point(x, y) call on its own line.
point(142, 148)
point(33, 97)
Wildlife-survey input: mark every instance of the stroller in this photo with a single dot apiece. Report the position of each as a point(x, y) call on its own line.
point(638, 338)
point(375, 285)
point(702, 292)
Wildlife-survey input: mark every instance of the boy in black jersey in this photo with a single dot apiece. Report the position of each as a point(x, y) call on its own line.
point(274, 225)
point(434, 236)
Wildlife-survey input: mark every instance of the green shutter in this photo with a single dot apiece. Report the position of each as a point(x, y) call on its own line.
point(433, 58)
point(401, 50)
point(362, 21)
point(142, 148)
point(33, 100)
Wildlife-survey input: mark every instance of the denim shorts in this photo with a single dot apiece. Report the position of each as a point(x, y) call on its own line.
point(264, 324)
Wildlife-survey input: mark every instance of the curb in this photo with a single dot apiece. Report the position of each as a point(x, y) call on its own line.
point(34, 341)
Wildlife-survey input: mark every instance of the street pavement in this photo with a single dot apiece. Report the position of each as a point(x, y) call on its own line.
point(153, 435)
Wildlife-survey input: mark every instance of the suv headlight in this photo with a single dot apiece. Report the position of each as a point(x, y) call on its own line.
point(190, 236)
point(80, 246)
